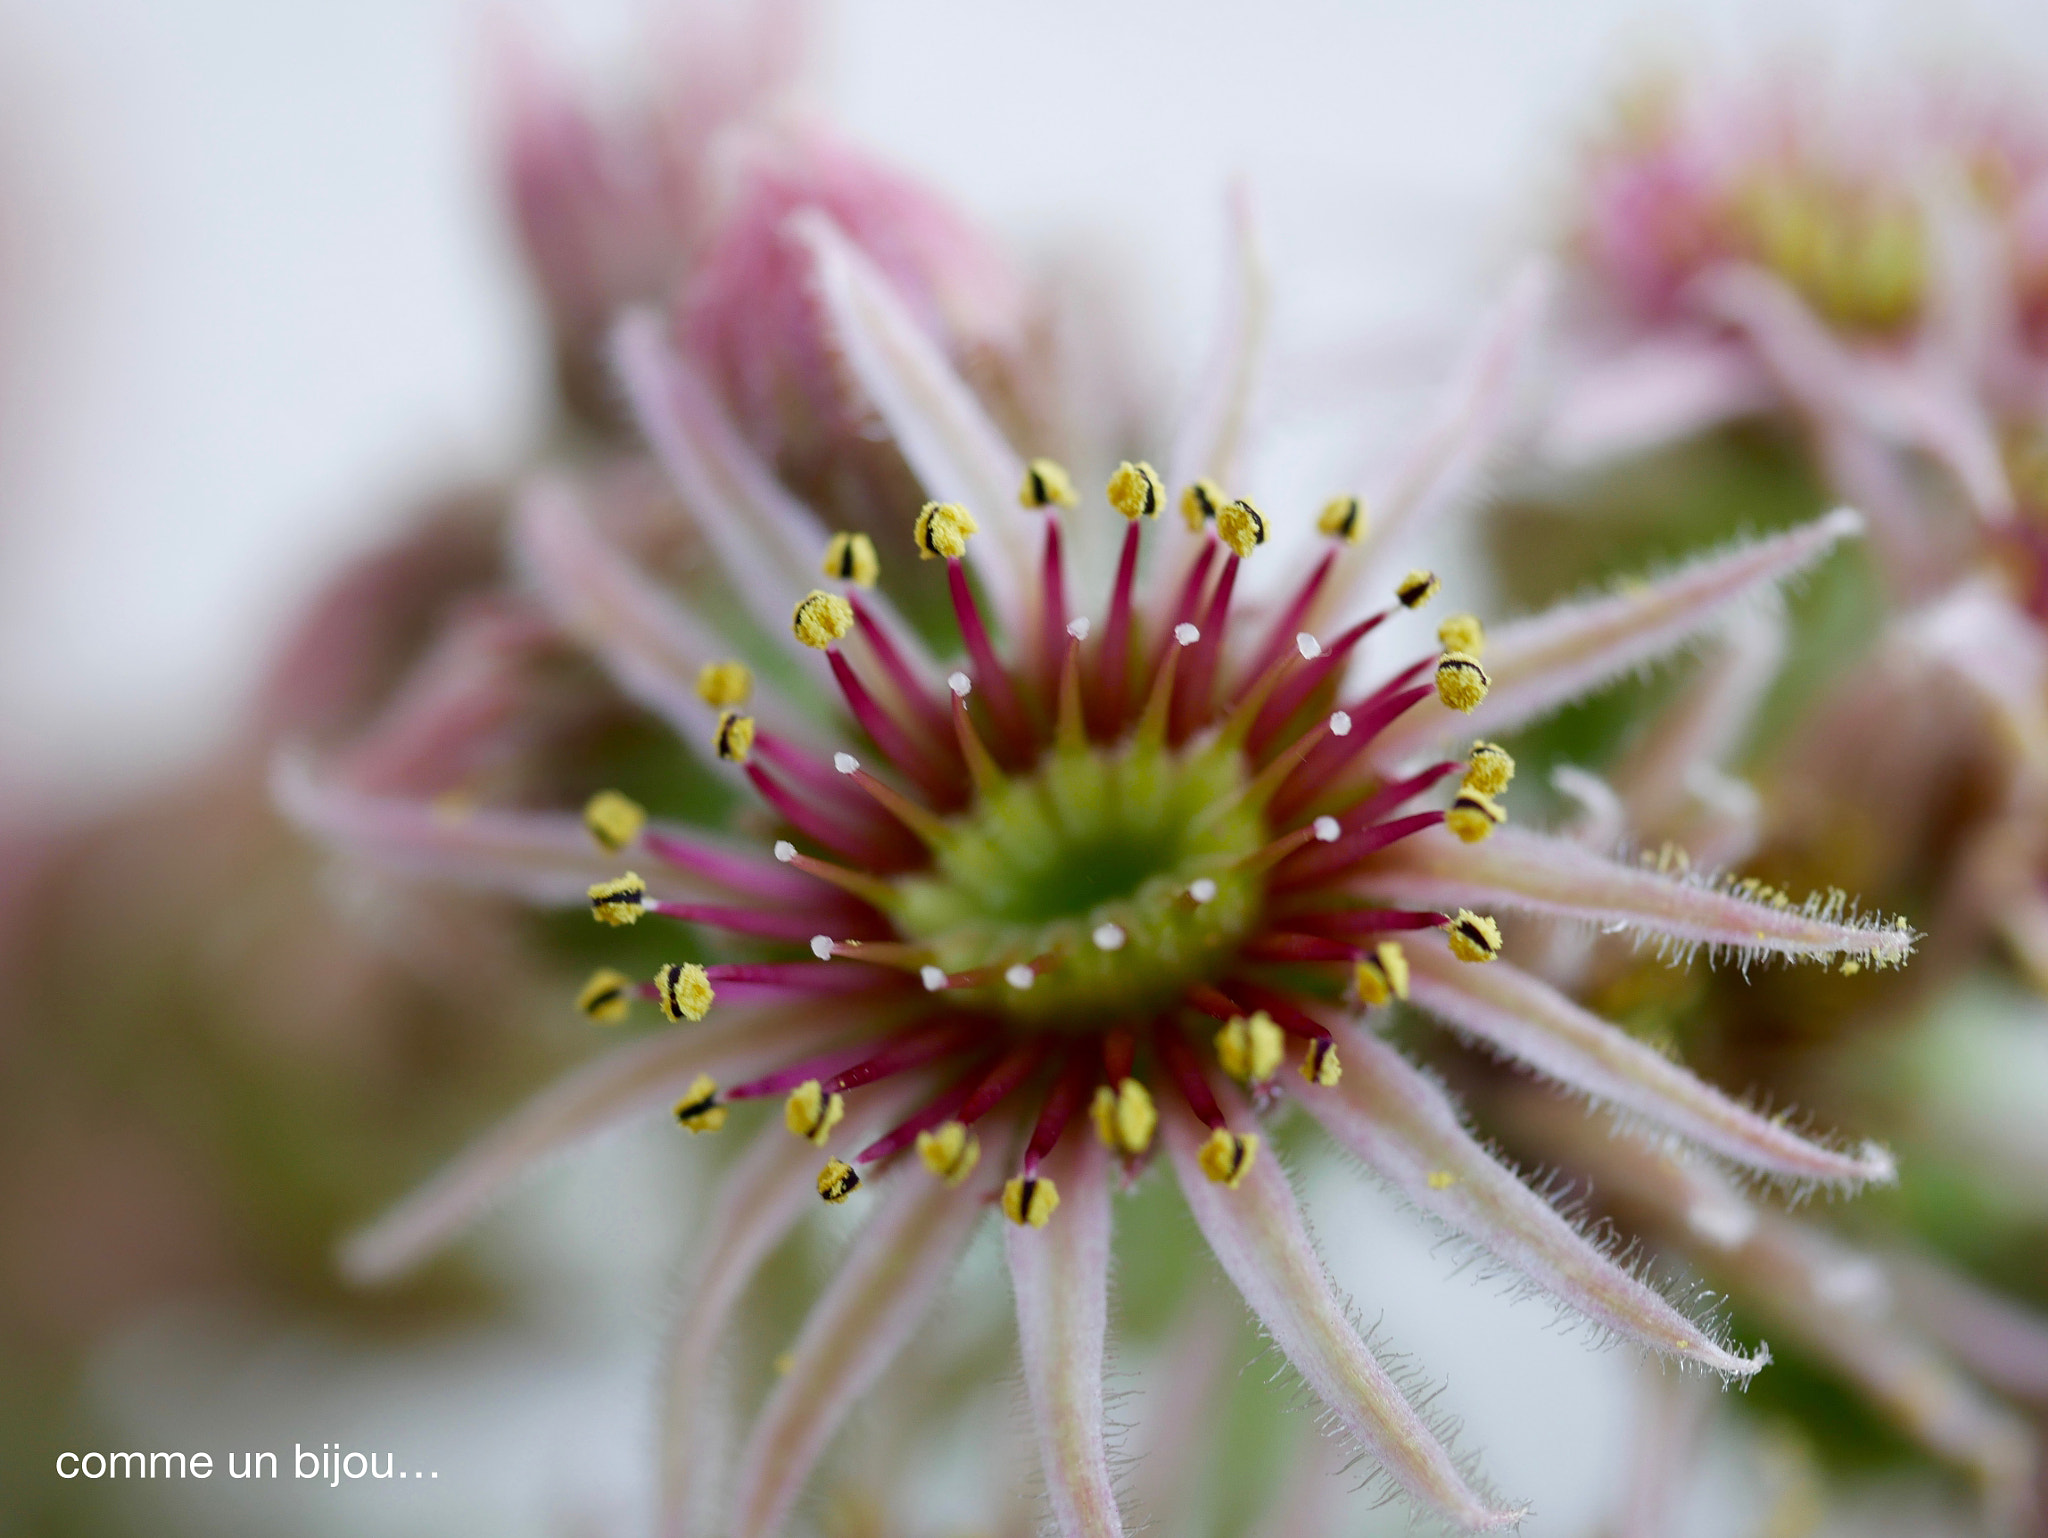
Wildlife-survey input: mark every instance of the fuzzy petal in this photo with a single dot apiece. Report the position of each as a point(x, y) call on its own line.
point(2003, 1343)
point(1658, 391)
point(1541, 873)
point(869, 1311)
point(1208, 438)
point(949, 441)
point(1549, 659)
point(630, 1081)
point(1258, 1236)
point(1061, 1277)
point(1402, 1124)
point(1530, 1021)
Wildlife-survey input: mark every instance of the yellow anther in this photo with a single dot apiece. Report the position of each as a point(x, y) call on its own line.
point(608, 997)
point(1200, 504)
point(1045, 482)
point(1474, 937)
point(1463, 633)
point(1250, 1048)
point(821, 618)
point(618, 902)
point(613, 820)
point(1241, 526)
point(1417, 588)
point(1473, 815)
point(1343, 518)
point(852, 558)
point(1461, 682)
point(1136, 490)
point(734, 739)
point(1851, 967)
point(1441, 1180)
point(1030, 1199)
point(1489, 769)
point(1321, 1066)
point(1125, 1117)
point(949, 1151)
point(837, 1181)
point(684, 991)
point(811, 1113)
point(699, 1109)
point(1382, 976)
point(942, 529)
point(724, 684)
point(1228, 1156)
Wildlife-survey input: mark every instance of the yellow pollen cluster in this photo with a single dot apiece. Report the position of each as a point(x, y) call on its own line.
point(1046, 482)
point(837, 1181)
point(1343, 518)
point(1241, 526)
point(618, 902)
point(1030, 1200)
point(1250, 1048)
point(1461, 682)
point(734, 739)
point(1383, 976)
point(852, 558)
point(613, 820)
point(1227, 1157)
point(1474, 937)
point(942, 529)
point(1473, 815)
point(1463, 633)
point(811, 1113)
point(699, 1109)
point(607, 998)
point(684, 991)
point(1125, 1117)
point(1320, 1066)
point(821, 618)
point(723, 684)
point(1417, 588)
point(1136, 490)
point(1489, 769)
point(949, 1151)
point(1200, 504)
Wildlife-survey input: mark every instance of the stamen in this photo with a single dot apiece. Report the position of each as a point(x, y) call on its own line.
point(822, 946)
point(942, 529)
point(887, 732)
point(1198, 678)
point(1030, 1200)
point(1227, 1156)
point(982, 768)
point(1320, 1064)
point(1151, 733)
point(607, 998)
point(1070, 731)
point(870, 844)
point(913, 1050)
point(684, 990)
point(1016, 1065)
point(1241, 526)
point(1046, 482)
point(1283, 945)
point(1200, 504)
point(837, 1181)
point(1321, 864)
point(925, 824)
point(933, 978)
point(699, 1109)
point(614, 820)
point(1417, 588)
point(735, 737)
point(910, 688)
point(852, 558)
point(1124, 1117)
point(1113, 663)
point(620, 901)
point(740, 873)
point(1250, 1048)
point(1136, 491)
point(1461, 682)
point(1474, 815)
point(811, 1113)
point(949, 1151)
point(1202, 890)
point(1211, 1001)
point(1343, 518)
point(1067, 1093)
point(1108, 937)
point(867, 888)
point(1334, 756)
point(1187, 1074)
point(799, 976)
point(1371, 921)
point(1020, 976)
point(1286, 701)
point(1053, 609)
point(990, 673)
point(1490, 769)
point(1382, 976)
point(1463, 633)
point(724, 684)
point(1292, 1019)
point(1474, 937)
point(1288, 621)
point(821, 618)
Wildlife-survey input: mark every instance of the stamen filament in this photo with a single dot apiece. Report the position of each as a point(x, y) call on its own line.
point(1113, 663)
point(892, 851)
point(1151, 733)
point(1287, 701)
point(1368, 721)
point(1324, 864)
point(799, 976)
point(773, 923)
point(1198, 678)
point(1211, 1001)
point(901, 1136)
point(888, 734)
point(744, 874)
point(1009, 1073)
point(908, 1052)
point(981, 765)
point(990, 675)
point(1288, 622)
point(1186, 1073)
point(874, 892)
point(1068, 1092)
point(1053, 613)
point(1071, 730)
point(928, 827)
point(1371, 921)
point(909, 687)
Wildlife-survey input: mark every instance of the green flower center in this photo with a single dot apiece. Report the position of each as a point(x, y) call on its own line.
point(1090, 861)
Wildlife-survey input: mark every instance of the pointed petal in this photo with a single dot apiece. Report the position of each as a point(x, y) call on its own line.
point(868, 1312)
point(1263, 1246)
point(1666, 388)
point(1542, 662)
point(1996, 1338)
point(1061, 1277)
point(1402, 1124)
point(651, 645)
point(629, 1081)
point(1540, 873)
point(1208, 438)
point(949, 441)
point(1528, 1020)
